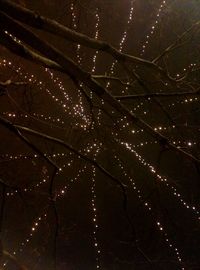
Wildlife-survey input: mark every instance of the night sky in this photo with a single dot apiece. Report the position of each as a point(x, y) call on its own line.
point(126, 195)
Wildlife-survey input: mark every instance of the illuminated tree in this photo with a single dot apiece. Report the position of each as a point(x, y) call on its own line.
point(104, 138)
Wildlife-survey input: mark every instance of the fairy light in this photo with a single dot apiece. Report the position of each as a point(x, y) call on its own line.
point(33, 230)
point(153, 28)
point(94, 219)
point(148, 206)
point(62, 191)
point(74, 26)
point(59, 84)
point(122, 41)
point(77, 109)
point(30, 78)
point(11, 157)
point(178, 143)
point(163, 180)
point(136, 189)
point(94, 148)
point(50, 119)
point(13, 37)
point(96, 37)
point(170, 244)
point(38, 221)
point(179, 99)
point(121, 45)
point(45, 177)
point(59, 193)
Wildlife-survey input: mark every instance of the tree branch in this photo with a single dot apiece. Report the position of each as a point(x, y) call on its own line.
point(74, 71)
point(176, 43)
point(9, 82)
point(14, 260)
point(17, 128)
point(37, 21)
point(111, 78)
point(17, 132)
point(177, 94)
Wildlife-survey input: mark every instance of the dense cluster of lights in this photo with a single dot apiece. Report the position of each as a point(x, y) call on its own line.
point(78, 108)
point(65, 103)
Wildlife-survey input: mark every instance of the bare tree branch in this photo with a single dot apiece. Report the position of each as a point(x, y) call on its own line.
point(10, 82)
point(74, 71)
point(35, 20)
point(177, 43)
point(17, 132)
point(174, 94)
point(111, 78)
point(23, 51)
point(14, 260)
point(17, 128)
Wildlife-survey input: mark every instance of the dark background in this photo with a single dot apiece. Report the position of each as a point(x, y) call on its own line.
point(19, 168)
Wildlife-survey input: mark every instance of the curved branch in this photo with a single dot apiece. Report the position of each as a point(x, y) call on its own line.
point(111, 78)
point(74, 71)
point(16, 129)
point(35, 20)
point(7, 124)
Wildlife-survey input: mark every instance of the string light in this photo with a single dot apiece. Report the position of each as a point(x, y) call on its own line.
point(148, 206)
point(153, 28)
point(50, 119)
point(96, 37)
point(38, 221)
point(122, 42)
point(77, 109)
point(162, 180)
point(33, 230)
point(96, 226)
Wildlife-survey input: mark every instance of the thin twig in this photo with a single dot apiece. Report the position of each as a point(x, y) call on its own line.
point(162, 95)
